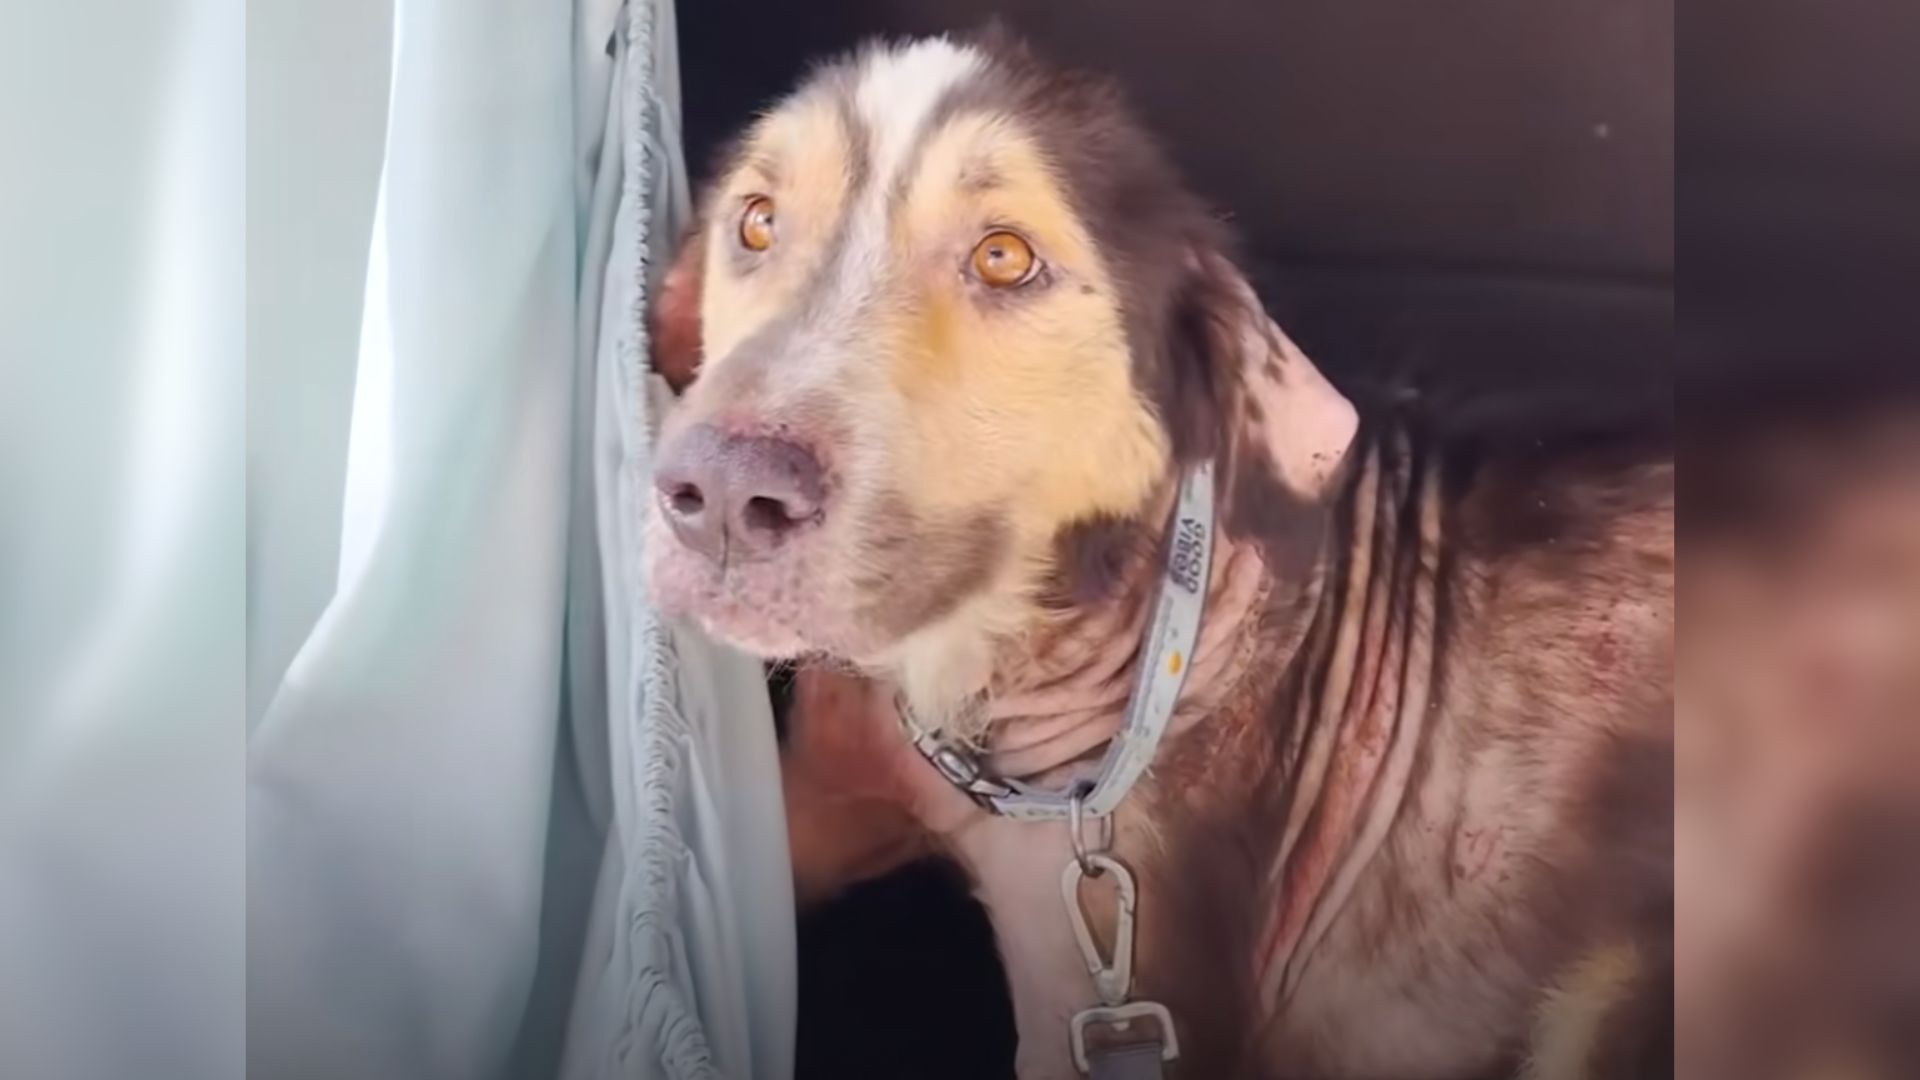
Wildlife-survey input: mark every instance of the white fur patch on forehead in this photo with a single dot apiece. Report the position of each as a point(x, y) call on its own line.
point(898, 89)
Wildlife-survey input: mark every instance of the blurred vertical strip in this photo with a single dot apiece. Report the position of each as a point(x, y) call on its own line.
point(1797, 802)
point(122, 709)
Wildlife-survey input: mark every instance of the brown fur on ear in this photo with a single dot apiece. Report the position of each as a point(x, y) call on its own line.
point(1187, 337)
point(1200, 363)
point(673, 319)
point(1094, 560)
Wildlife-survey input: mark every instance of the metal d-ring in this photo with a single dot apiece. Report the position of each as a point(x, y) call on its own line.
point(1076, 812)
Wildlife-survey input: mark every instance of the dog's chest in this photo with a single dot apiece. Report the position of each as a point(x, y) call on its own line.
point(1417, 976)
point(1423, 974)
point(1380, 997)
point(1018, 866)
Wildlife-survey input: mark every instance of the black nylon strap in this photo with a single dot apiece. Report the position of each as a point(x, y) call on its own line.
point(1133, 1061)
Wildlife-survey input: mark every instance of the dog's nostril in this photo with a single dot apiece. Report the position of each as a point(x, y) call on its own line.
point(766, 514)
point(734, 497)
point(686, 500)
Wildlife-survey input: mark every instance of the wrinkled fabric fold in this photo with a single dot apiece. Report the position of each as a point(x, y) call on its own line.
point(488, 696)
point(689, 971)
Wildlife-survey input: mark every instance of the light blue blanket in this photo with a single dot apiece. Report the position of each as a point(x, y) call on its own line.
point(502, 821)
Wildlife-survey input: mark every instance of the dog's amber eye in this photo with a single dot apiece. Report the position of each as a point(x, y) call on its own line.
point(1003, 260)
point(756, 225)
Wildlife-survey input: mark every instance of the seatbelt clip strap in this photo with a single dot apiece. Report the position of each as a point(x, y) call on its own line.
point(1138, 1057)
point(1134, 1061)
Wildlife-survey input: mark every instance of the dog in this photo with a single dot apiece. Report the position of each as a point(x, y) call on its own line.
point(954, 339)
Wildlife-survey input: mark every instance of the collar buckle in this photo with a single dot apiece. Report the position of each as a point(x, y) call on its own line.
point(953, 762)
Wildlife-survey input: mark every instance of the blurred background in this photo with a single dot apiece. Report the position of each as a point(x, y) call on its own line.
point(122, 619)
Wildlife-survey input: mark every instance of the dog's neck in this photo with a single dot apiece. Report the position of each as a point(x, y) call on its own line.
point(1295, 736)
point(1291, 755)
point(1060, 692)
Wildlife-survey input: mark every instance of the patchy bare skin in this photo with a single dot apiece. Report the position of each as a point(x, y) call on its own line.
point(1514, 855)
point(1412, 819)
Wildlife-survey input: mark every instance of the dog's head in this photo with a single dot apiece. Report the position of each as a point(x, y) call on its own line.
point(950, 309)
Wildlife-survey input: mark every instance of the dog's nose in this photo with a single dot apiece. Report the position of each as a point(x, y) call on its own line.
point(738, 496)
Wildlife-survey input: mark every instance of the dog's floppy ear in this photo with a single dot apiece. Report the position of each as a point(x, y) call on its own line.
point(673, 319)
point(1244, 394)
point(1199, 362)
point(1183, 315)
point(1231, 387)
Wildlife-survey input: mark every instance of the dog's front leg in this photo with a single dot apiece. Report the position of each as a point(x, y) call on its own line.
point(861, 801)
point(1017, 866)
point(850, 817)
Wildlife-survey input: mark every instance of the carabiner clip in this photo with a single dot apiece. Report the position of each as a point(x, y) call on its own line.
point(1112, 981)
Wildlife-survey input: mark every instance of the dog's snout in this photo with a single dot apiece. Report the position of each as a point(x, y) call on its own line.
point(734, 496)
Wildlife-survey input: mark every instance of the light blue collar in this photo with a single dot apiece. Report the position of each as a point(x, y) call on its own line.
point(1166, 654)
